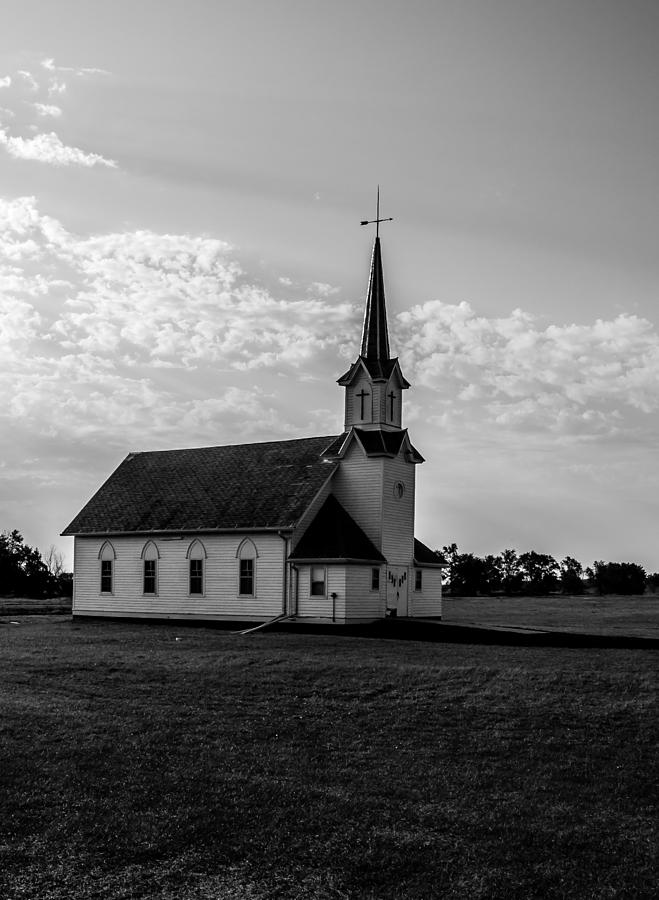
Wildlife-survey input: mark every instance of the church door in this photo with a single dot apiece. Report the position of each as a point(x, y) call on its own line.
point(397, 590)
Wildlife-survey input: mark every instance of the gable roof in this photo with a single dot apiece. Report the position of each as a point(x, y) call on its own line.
point(334, 535)
point(242, 486)
point(424, 556)
point(375, 442)
point(377, 370)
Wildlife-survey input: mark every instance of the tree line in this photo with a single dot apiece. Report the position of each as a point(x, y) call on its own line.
point(510, 573)
point(24, 572)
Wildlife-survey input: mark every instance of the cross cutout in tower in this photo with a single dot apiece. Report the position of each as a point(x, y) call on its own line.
point(362, 395)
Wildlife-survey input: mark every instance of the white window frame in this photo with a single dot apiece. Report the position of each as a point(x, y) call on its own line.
point(196, 553)
point(201, 576)
point(246, 551)
point(251, 575)
point(150, 554)
point(154, 592)
point(313, 569)
point(107, 554)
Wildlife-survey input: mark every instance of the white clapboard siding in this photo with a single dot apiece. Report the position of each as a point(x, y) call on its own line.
point(353, 403)
point(398, 513)
point(362, 602)
point(379, 402)
point(307, 606)
point(354, 602)
point(220, 598)
point(428, 601)
point(358, 488)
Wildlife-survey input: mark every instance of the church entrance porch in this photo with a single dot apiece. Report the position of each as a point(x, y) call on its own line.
point(397, 590)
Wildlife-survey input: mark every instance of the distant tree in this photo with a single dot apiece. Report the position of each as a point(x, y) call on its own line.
point(493, 581)
point(65, 584)
point(539, 571)
point(468, 576)
point(22, 570)
point(450, 554)
point(54, 561)
point(510, 572)
point(618, 578)
point(571, 576)
point(652, 581)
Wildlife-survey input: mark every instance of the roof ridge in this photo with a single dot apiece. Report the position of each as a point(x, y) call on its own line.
point(318, 437)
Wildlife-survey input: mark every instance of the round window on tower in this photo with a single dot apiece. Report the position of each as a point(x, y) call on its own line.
point(399, 490)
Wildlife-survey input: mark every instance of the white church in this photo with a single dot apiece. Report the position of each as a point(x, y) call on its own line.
point(319, 529)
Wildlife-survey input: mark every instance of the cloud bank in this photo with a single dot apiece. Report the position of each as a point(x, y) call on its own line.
point(43, 147)
point(591, 379)
point(48, 148)
point(95, 325)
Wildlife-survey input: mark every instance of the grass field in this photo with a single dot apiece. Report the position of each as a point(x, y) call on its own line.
point(638, 616)
point(21, 606)
point(151, 761)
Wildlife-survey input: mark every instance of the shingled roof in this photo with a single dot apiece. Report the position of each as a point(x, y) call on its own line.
point(242, 486)
point(334, 535)
point(424, 556)
point(378, 370)
point(376, 442)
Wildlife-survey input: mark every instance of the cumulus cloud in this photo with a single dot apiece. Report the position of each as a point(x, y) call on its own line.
point(47, 109)
point(163, 332)
point(29, 79)
point(98, 323)
point(56, 87)
point(48, 148)
point(564, 378)
point(321, 289)
point(42, 147)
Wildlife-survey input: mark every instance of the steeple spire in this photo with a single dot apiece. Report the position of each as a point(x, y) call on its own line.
point(375, 336)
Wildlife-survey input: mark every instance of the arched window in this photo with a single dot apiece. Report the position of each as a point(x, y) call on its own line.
point(196, 555)
point(150, 557)
point(247, 555)
point(107, 557)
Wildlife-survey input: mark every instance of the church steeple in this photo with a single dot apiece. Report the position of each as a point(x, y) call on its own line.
point(375, 336)
point(374, 383)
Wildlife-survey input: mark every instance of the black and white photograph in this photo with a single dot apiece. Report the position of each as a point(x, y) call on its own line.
point(329, 482)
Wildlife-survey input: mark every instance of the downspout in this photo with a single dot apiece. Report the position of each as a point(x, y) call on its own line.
point(284, 599)
point(297, 582)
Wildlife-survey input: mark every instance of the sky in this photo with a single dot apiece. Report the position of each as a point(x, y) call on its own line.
point(181, 261)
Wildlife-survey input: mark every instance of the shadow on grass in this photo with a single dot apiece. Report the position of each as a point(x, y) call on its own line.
point(433, 631)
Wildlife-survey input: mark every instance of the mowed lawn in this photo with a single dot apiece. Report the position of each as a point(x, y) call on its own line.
point(614, 615)
point(168, 762)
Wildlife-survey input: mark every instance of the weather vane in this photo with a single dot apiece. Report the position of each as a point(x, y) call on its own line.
point(376, 221)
